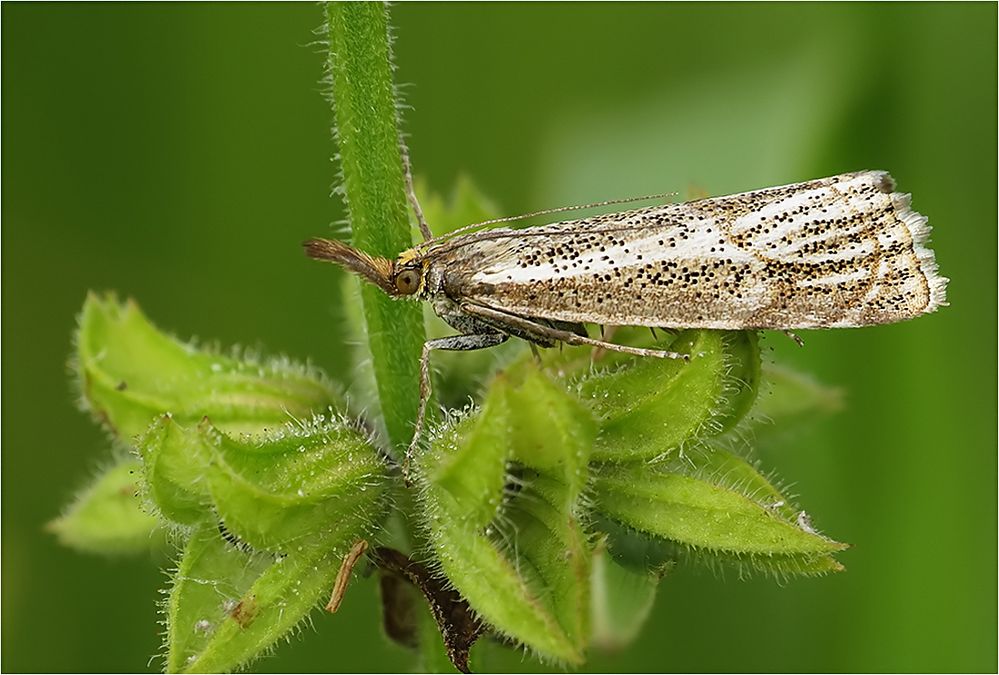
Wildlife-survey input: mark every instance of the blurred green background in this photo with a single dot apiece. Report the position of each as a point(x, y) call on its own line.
point(180, 153)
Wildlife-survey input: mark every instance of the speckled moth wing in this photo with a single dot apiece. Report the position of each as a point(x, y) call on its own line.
point(834, 252)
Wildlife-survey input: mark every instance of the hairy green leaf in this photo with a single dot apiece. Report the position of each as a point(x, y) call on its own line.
point(620, 600)
point(636, 551)
point(269, 491)
point(465, 205)
point(789, 400)
point(467, 462)
point(175, 461)
point(229, 605)
point(717, 506)
point(130, 372)
point(108, 516)
point(276, 490)
point(527, 572)
point(649, 407)
point(740, 382)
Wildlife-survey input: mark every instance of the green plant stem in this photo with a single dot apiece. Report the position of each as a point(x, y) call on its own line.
point(373, 184)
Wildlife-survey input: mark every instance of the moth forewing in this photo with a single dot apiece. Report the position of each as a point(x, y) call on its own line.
point(836, 252)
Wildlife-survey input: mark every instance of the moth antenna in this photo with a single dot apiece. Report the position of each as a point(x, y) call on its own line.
point(375, 269)
point(546, 212)
point(411, 194)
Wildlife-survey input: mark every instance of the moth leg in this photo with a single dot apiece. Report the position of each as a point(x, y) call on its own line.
point(411, 193)
point(794, 336)
point(454, 343)
point(528, 327)
point(606, 335)
point(571, 326)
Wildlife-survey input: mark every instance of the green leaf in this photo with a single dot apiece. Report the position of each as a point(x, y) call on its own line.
point(527, 572)
point(636, 551)
point(130, 372)
point(175, 462)
point(741, 380)
point(621, 600)
point(466, 205)
point(467, 462)
point(552, 430)
point(269, 491)
point(108, 516)
point(716, 506)
point(788, 401)
point(229, 605)
point(276, 490)
point(649, 407)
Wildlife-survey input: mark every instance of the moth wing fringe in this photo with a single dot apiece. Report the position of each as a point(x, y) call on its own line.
point(918, 226)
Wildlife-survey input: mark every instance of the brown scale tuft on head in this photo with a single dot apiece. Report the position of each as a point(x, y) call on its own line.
point(376, 270)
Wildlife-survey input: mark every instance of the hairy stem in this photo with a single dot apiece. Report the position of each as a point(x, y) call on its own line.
point(373, 184)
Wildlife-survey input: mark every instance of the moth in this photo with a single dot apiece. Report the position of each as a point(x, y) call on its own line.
point(844, 251)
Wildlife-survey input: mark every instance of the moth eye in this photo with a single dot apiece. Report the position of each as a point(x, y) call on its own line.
point(407, 282)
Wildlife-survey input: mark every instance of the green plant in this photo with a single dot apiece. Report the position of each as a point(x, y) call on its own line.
point(545, 515)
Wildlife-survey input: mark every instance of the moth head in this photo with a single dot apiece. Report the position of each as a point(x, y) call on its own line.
point(399, 278)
